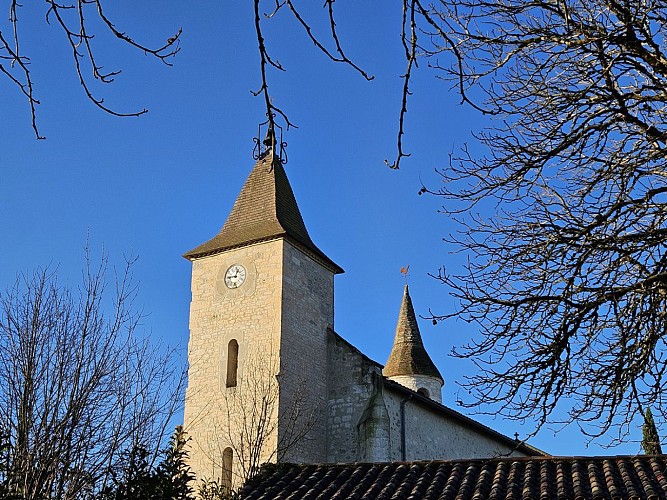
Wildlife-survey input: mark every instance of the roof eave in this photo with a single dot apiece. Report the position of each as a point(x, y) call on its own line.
point(315, 253)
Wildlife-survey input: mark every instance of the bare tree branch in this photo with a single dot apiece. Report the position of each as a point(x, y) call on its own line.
point(568, 280)
point(265, 60)
point(73, 20)
point(78, 386)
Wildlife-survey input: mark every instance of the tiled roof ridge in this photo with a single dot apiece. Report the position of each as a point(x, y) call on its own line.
point(545, 458)
point(408, 355)
point(265, 209)
point(544, 478)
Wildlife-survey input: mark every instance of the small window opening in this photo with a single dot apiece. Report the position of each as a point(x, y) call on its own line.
point(423, 392)
point(232, 363)
point(227, 456)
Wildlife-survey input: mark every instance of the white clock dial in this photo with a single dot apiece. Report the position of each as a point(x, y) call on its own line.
point(235, 276)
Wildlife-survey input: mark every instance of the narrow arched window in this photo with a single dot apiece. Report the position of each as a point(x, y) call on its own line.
point(423, 392)
point(227, 457)
point(232, 363)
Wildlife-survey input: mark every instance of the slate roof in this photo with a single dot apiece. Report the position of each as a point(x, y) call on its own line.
point(265, 209)
point(408, 355)
point(543, 478)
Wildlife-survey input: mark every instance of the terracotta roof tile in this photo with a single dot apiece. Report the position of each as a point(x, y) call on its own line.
point(529, 478)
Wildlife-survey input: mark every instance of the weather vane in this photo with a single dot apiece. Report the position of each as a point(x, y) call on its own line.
point(262, 147)
point(404, 272)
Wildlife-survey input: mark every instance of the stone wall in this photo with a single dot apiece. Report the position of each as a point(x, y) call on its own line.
point(350, 391)
point(307, 314)
point(432, 434)
point(250, 314)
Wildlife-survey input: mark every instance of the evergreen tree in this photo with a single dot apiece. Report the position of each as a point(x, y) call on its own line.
point(135, 481)
point(650, 438)
point(173, 474)
point(138, 479)
point(212, 490)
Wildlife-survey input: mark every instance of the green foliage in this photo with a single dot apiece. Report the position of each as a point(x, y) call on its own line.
point(173, 474)
point(139, 479)
point(135, 480)
point(214, 490)
point(650, 438)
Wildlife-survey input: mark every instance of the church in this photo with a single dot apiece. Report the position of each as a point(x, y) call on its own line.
point(280, 404)
point(269, 378)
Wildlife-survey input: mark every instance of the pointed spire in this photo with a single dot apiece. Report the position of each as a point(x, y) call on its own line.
point(408, 355)
point(265, 209)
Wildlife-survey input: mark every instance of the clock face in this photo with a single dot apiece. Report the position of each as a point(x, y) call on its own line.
point(235, 276)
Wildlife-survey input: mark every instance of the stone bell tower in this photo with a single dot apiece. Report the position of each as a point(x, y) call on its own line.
point(262, 301)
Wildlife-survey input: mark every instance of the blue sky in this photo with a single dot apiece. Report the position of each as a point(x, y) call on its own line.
point(158, 185)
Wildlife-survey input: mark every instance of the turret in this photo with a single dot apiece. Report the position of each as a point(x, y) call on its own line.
point(409, 364)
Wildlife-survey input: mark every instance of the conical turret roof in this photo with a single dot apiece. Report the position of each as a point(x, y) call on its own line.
point(265, 209)
point(408, 355)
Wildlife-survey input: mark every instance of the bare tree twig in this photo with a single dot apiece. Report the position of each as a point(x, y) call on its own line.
point(79, 387)
point(272, 110)
point(342, 58)
point(567, 280)
point(72, 19)
point(410, 48)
